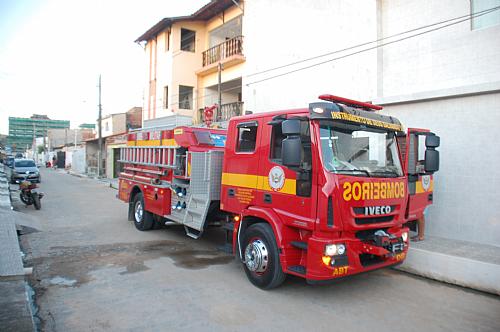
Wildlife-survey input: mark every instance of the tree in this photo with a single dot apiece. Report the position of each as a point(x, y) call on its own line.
point(40, 149)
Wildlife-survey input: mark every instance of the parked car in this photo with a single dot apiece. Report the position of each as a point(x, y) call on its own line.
point(19, 169)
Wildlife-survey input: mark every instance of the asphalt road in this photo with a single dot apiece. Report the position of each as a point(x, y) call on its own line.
point(93, 271)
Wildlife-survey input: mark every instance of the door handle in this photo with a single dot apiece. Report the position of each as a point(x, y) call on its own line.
point(268, 198)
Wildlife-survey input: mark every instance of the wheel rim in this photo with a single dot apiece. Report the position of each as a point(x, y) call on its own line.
point(256, 256)
point(138, 212)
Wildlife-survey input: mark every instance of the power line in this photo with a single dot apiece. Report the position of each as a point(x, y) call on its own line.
point(370, 48)
point(486, 11)
point(455, 21)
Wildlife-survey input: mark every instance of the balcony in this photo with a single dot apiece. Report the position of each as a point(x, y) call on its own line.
point(229, 53)
point(227, 111)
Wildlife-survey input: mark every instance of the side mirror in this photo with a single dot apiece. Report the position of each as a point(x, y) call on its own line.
point(290, 127)
point(432, 141)
point(431, 161)
point(291, 151)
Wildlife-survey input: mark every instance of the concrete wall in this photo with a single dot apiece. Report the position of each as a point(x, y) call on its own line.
point(466, 187)
point(58, 137)
point(448, 81)
point(456, 56)
point(283, 31)
point(78, 164)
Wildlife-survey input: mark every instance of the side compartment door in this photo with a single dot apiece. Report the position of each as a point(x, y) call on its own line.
point(420, 184)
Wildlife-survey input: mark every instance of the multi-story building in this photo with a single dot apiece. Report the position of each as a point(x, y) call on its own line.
point(195, 61)
point(22, 131)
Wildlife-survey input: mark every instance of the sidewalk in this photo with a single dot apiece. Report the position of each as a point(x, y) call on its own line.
point(15, 310)
point(113, 183)
point(462, 263)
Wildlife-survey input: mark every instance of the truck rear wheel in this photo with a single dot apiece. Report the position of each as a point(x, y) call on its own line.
point(260, 252)
point(143, 220)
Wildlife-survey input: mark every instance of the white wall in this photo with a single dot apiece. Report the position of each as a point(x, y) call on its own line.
point(467, 194)
point(283, 31)
point(456, 56)
point(78, 160)
point(449, 81)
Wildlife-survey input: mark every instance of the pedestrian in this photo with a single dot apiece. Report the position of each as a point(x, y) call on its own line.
point(54, 162)
point(420, 229)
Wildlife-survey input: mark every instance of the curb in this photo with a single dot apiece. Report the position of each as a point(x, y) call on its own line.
point(479, 275)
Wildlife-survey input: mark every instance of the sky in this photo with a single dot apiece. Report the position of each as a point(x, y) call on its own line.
point(52, 52)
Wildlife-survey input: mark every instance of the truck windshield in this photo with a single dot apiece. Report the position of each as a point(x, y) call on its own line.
point(349, 149)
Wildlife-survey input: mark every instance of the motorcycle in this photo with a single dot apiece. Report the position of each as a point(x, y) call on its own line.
point(28, 193)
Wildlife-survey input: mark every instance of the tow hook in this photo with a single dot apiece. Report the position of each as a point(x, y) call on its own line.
point(388, 242)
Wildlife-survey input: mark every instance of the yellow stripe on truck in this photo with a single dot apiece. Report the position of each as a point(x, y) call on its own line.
point(419, 188)
point(256, 182)
point(155, 142)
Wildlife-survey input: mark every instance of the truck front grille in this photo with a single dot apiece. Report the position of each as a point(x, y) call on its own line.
point(373, 220)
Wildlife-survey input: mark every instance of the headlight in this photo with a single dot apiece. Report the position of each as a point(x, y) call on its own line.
point(330, 249)
point(341, 249)
point(404, 236)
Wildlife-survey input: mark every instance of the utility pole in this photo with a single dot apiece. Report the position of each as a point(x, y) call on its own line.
point(34, 140)
point(219, 91)
point(99, 128)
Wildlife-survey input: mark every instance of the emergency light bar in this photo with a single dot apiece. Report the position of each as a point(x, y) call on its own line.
point(351, 102)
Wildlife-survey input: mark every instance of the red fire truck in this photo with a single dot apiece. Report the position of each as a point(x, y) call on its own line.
point(322, 192)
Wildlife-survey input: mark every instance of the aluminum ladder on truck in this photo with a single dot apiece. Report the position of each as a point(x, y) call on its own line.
point(159, 156)
point(205, 186)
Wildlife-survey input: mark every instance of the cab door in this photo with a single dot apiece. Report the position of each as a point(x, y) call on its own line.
point(420, 184)
point(290, 193)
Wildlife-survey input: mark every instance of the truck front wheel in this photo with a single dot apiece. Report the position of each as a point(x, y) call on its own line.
point(143, 220)
point(261, 258)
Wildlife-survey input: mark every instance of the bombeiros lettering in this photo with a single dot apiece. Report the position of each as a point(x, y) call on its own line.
point(373, 190)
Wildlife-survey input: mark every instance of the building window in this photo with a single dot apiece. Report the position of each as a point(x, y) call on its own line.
point(247, 136)
point(489, 18)
point(185, 97)
point(187, 40)
point(165, 97)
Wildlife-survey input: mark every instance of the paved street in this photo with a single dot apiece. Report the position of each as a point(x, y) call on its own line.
point(93, 271)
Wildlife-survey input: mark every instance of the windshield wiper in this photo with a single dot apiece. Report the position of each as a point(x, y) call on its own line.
point(353, 170)
point(394, 174)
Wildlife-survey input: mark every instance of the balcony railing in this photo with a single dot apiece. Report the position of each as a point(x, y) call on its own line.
point(230, 47)
point(227, 111)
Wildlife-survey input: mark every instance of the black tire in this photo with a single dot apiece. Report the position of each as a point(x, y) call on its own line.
point(269, 273)
point(36, 201)
point(143, 220)
point(158, 222)
point(26, 200)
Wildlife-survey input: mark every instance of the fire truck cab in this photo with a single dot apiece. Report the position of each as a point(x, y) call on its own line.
point(321, 192)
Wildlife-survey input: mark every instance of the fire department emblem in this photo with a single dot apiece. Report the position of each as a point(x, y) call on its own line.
point(426, 182)
point(276, 178)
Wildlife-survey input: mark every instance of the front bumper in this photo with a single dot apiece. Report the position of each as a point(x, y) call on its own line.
point(360, 256)
point(17, 178)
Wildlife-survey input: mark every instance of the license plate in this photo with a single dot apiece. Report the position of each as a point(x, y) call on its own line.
point(397, 247)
